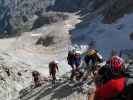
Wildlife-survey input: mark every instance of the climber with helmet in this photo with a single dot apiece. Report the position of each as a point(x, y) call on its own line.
point(108, 90)
point(74, 60)
point(114, 79)
point(117, 88)
point(77, 63)
point(53, 68)
point(94, 57)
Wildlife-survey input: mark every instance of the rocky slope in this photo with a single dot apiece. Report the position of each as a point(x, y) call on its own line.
point(20, 56)
point(19, 15)
point(15, 13)
point(106, 22)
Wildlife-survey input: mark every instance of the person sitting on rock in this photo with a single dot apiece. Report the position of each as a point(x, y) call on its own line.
point(37, 78)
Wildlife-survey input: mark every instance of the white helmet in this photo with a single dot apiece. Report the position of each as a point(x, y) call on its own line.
point(77, 52)
point(55, 61)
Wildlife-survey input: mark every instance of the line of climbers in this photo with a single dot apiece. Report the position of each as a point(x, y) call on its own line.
point(112, 78)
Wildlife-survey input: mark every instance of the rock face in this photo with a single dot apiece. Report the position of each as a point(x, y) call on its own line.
point(66, 5)
point(43, 20)
point(17, 13)
point(118, 9)
point(5, 25)
point(21, 53)
point(14, 13)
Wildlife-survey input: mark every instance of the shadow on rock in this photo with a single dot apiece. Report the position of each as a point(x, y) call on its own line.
point(45, 92)
point(62, 92)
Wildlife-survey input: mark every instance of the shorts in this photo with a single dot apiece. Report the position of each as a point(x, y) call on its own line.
point(77, 62)
point(71, 63)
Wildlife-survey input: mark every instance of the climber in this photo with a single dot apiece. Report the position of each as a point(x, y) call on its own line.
point(37, 78)
point(118, 88)
point(113, 74)
point(53, 68)
point(74, 60)
point(108, 89)
point(94, 57)
point(70, 60)
point(77, 63)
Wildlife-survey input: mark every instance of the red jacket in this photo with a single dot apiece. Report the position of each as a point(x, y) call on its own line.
point(53, 67)
point(110, 89)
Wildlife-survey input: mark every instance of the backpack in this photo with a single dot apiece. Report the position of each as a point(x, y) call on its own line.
point(70, 57)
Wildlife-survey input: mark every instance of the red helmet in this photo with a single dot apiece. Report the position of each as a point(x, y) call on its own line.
point(117, 63)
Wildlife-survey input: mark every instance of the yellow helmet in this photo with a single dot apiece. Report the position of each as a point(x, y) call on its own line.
point(91, 52)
